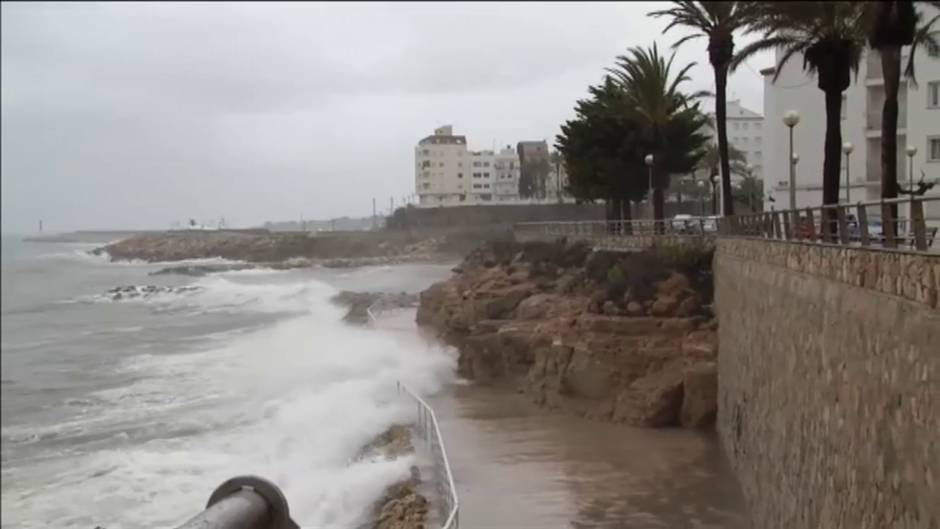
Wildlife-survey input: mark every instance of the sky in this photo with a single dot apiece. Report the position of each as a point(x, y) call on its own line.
point(138, 115)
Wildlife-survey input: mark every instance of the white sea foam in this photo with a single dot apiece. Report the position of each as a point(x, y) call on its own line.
point(292, 402)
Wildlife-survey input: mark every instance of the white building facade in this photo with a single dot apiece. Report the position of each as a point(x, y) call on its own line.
point(745, 133)
point(918, 126)
point(447, 173)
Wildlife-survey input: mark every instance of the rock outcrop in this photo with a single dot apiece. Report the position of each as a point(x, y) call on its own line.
point(402, 506)
point(620, 337)
point(146, 291)
point(360, 302)
point(284, 249)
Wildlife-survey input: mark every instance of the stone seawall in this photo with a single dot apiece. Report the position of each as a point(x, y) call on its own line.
point(829, 397)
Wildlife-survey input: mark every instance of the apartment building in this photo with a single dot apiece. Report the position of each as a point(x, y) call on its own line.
point(447, 173)
point(746, 133)
point(506, 175)
point(918, 126)
point(442, 168)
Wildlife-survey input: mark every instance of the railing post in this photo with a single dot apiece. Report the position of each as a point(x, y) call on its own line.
point(918, 225)
point(843, 225)
point(862, 215)
point(787, 225)
point(775, 219)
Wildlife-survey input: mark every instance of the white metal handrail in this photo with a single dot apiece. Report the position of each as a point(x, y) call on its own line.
point(430, 432)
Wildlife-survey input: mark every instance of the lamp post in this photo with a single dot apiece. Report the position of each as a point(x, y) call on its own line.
point(847, 148)
point(648, 159)
point(701, 192)
point(911, 151)
point(749, 169)
point(790, 119)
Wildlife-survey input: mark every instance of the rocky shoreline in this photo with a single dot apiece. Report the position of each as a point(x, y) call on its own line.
point(402, 506)
point(286, 250)
point(623, 337)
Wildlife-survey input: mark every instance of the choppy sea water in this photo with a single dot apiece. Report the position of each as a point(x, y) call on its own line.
point(128, 413)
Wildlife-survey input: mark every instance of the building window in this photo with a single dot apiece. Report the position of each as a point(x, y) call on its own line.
point(744, 125)
point(476, 175)
point(486, 175)
point(459, 175)
point(757, 140)
point(933, 149)
point(476, 164)
point(933, 94)
point(486, 164)
point(477, 186)
point(486, 186)
point(442, 164)
point(757, 125)
point(757, 155)
point(734, 125)
point(426, 186)
point(845, 104)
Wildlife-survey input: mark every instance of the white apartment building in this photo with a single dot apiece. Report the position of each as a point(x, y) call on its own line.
point(506, 175)
point(746, 133)
point(447, 173)
point(918, 126)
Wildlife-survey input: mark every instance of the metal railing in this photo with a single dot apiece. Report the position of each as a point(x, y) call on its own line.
point(430, 432)
point(442, 477)
point(896, 224)
point(692, 226)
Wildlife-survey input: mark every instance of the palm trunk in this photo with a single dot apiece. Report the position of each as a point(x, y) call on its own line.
point(833, 154)
point(721, 81)
point(713, 179)
point(891, 70)
point(659, 196)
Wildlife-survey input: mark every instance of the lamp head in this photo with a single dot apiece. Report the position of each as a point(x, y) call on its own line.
point(796, 158)
point(648, 159)
point(911, 150)
point(791, 118)
point(847, 147)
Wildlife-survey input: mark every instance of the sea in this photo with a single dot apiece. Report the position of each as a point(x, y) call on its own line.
point(127, 413)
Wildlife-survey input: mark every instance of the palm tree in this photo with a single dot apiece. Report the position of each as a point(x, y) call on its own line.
point(711, 159)
point(894, 24)
point(653, 95)
point(750, 190)
point(831, 38)
point(718, 21)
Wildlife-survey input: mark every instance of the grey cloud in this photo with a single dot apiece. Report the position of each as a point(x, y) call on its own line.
point(138, 114)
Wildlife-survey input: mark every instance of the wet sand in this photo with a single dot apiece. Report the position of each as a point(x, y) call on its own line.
point(517, 466)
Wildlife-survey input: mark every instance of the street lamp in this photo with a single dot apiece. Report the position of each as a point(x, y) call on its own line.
point(648, 159)
point(911, 151)
point(847, 148)
point(790, 119)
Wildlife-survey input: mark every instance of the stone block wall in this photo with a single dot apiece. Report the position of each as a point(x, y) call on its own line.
point(829, 396)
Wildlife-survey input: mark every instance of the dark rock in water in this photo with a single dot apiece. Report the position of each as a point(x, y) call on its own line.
point(201, 270)
point(359, 303)
point(146, 291)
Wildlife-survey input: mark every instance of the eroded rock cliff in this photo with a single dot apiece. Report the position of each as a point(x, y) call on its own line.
point(612, 336)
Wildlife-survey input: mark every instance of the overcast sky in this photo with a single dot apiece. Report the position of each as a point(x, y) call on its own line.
point(137, 115)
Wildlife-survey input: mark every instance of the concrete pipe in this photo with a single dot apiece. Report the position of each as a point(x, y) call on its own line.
point(244, 502)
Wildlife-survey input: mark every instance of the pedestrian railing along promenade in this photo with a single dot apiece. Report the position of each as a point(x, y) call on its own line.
point(898, 224)
point(429, 431)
